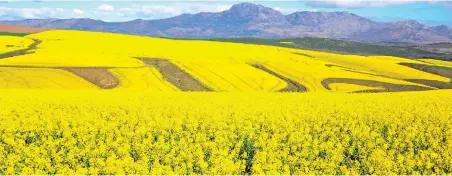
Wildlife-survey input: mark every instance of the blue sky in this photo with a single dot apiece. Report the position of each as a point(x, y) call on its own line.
point(428, 12)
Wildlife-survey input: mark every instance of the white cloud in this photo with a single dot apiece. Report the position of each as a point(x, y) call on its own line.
point(364, 3)
point(31, 13)
point(164, 11)
point(159, 9)
point(106, 8)
point(203, 7)
point(78, 11)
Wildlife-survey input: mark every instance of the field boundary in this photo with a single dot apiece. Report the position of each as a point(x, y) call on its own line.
point(100, 77)
point(292, 86)
point(176, 76)
point(433, 69)
point(21, 51)
point(387, 87)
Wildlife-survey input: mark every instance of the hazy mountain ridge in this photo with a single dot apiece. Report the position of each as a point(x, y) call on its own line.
point(250, 20)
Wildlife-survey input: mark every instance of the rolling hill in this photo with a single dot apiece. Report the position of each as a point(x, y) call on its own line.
point(80, 102)
point(59, 59)
point(437, 51)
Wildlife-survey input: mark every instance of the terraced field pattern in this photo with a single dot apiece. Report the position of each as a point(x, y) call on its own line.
point(76, 102)
point(59, 59)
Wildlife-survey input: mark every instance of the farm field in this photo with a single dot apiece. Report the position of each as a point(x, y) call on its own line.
point(77, 102)
point(12, 43)
point(219, 66)
point(109, 132)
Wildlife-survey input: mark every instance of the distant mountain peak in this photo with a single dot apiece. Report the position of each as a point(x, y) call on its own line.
point(246, 5)
point(253, 13)
point(253, 20)
point(413, 22)
point(249, 8)
point(410, 24)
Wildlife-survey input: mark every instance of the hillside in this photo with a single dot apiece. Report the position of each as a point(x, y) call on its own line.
point(350, 47)
point(79, 102)
point(257, 21)
point(61, 59)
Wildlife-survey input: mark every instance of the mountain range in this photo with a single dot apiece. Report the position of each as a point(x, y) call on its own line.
point(251, 20)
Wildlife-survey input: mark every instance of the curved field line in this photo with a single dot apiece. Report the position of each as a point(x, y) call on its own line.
point(21, 51)
point(247, 83)
point(426, 82)
point(199, 76)
point(388, 87)
point(291, 76)
point(36, 80)
point(224, 79)
point(432, 69)
point(292, 86)
point(163, 80)
point(338, 66)
point(175, 75)
point(303, 54)
point(98, 76)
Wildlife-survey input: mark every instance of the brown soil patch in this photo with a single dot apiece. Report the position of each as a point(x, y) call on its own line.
point(100, 77)
point(176, 76)
point(432, 83)
point(292, 86)
point(20, 29)
point(437, 70)
point(25, 51)
point(388, 87)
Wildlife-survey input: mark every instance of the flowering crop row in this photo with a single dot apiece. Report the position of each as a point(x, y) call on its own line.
point(225, 133)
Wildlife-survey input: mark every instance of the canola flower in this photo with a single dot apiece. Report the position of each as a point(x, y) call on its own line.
point(41, 78)
point(286, 43)
point(221, 66)
point(232, 77)
point(142, 79)
point(437, 62)
point(107, 132)
point(12, 43)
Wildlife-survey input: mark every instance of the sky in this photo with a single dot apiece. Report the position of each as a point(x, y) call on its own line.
point(432, 12)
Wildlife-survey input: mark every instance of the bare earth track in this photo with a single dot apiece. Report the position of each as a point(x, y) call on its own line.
point(176, 76)
point(437, 70)
point(21, 51)
point(388, 87)
point(100, 77)
point(292, 86)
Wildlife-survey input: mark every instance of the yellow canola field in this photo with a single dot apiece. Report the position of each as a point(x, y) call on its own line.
point(41, 78)
point(386, 66)
point(232, 77)
point(52, 132)
point(437, 62)
point(312, 73)
point(345, 87)
point(286, 42)
point(141, 79)
point(12, 43)
point(222, 66)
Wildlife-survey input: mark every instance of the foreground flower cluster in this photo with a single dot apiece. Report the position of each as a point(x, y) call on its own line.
point(225, 133)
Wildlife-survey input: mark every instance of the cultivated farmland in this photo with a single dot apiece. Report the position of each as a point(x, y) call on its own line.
point(135, 63)
point(75, 102)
